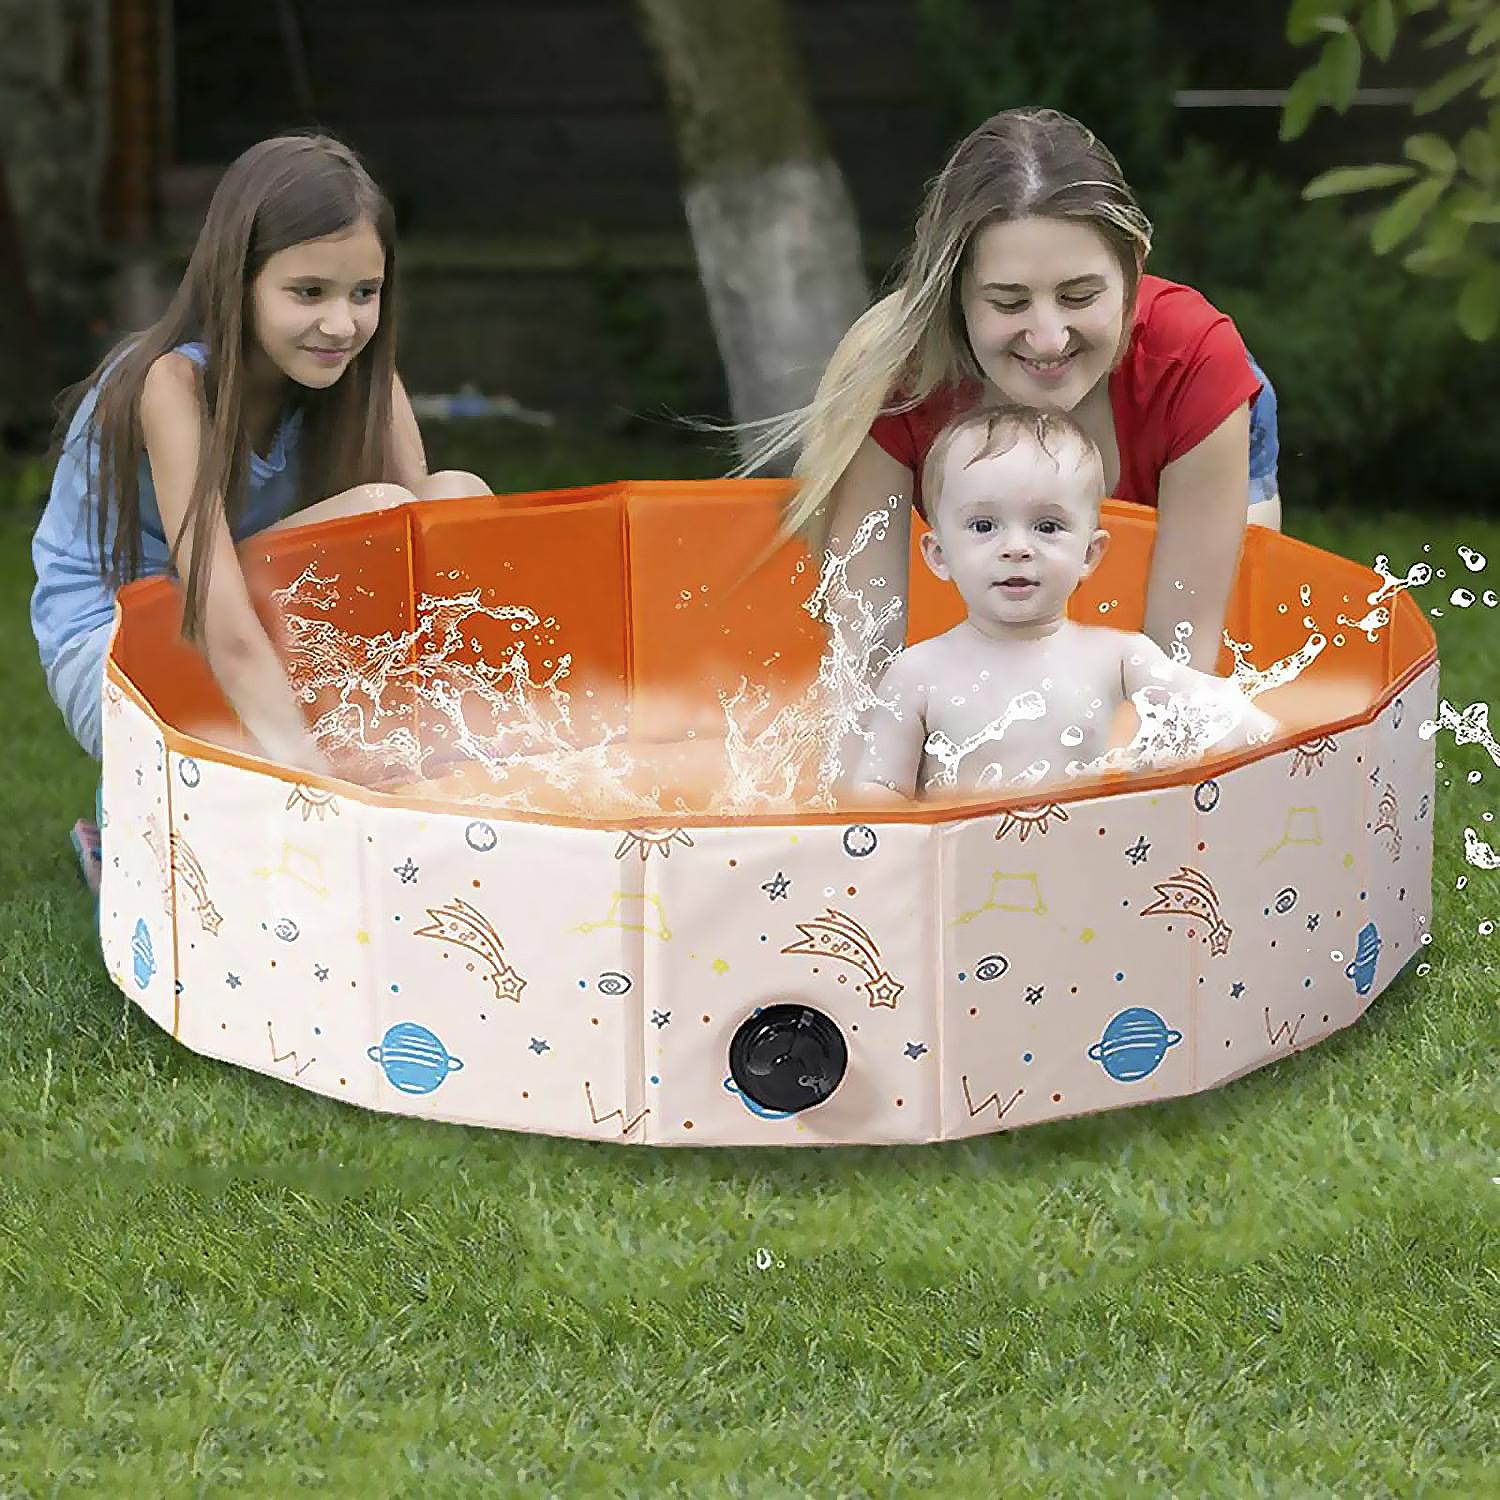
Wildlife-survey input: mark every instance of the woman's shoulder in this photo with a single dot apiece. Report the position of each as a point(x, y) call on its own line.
point(1172, 319)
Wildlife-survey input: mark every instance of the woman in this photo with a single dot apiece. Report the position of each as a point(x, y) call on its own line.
point(1025, 281)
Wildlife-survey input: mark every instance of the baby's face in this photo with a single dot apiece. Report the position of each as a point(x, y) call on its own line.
point(1017, 531)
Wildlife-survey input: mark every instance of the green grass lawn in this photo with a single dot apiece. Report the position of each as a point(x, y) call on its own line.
point(213, 1283)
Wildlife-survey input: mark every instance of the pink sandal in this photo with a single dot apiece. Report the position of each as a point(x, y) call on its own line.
point(85, 841)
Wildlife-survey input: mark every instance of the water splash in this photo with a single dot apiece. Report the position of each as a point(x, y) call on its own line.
point(1390, 585)
point(1471, 727)
point(950, 755)
point(1480, 853)
point(426, 711)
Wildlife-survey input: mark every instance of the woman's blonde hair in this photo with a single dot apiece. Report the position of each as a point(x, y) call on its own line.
point(1018, 164)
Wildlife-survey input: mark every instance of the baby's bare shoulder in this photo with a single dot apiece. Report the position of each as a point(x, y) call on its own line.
point(920, 663)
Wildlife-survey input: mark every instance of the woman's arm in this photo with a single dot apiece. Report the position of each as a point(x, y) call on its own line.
point(1202, 503)
point(239, 651)
point(892, 759)
point(867, 485)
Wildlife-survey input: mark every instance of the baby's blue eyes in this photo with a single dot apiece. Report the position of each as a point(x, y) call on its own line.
point(983, 526)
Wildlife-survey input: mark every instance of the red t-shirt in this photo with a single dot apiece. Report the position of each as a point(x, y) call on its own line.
point(1183, 373)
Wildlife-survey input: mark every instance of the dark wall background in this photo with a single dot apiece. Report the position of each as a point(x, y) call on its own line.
point(528, 147)
point(527, 117)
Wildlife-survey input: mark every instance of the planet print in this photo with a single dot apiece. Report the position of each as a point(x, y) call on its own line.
point(1133, 1044)
point(413, 1059)
point(753, 1107)
point(140, 949)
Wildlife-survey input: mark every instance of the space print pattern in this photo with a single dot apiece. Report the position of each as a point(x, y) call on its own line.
point(985, 974)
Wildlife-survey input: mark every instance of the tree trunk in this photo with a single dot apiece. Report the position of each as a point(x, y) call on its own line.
point(771, 219)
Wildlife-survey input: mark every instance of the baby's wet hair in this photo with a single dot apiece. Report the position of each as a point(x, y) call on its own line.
point(1005, 424)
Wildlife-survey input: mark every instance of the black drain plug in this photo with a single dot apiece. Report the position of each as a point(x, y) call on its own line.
point(788, 1058)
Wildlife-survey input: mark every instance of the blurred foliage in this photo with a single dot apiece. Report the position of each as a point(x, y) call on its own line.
point(1381, 400)
point(976, 65)
point(1448, 208)
point(642, 376)
point(23, 485)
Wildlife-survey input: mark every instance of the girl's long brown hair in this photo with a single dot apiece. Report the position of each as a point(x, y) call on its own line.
point(1017, 164)
point(279, 193)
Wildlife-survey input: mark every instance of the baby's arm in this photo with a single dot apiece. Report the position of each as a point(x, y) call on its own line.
point(892, 756)
point(1143, 664)
point(234, 641)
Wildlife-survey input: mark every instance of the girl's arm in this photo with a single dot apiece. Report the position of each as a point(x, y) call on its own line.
point(239, 651)
point(406, 440)
point(1202, 502)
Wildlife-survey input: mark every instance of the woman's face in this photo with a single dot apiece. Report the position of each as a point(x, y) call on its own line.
point(1044, 304)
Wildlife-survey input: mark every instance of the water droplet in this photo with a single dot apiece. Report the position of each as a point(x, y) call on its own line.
point(1461, 597)
point(1473, 561)
point(1072, 735)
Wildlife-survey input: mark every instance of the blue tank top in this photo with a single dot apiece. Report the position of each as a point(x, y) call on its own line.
point(72, 596)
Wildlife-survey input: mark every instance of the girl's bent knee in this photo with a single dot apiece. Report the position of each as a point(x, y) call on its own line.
point(383, 496)
point(450, 484)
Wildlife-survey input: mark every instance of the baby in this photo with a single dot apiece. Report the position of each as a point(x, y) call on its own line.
point(1019, 695)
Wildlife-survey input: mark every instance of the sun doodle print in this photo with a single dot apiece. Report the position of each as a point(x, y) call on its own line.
point(645, 841)
point(1031, 820)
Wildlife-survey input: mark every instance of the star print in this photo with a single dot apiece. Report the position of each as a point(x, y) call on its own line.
point(915, 1049)
point(1237, 989)
point(233, 981)
point(1138, 850)
point(1312, 921)
point(539, 1046)
point(777, 889)
point(1034, 993)
point(660, 1018)
point(407, 872)
point(321, 971)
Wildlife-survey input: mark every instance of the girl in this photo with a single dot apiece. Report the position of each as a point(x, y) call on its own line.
point(1025, 282)
point(267, 384)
